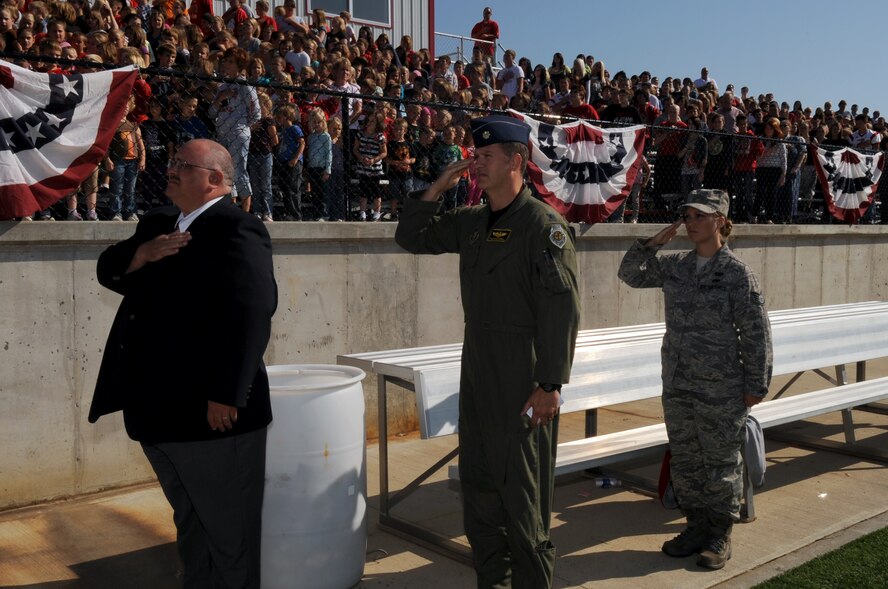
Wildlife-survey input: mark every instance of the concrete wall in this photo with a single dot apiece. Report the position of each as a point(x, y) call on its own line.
point(344, 287)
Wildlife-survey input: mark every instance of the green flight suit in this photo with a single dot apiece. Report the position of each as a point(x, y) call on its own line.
point(518, 284)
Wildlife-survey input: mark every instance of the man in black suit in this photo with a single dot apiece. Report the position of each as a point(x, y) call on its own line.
point(184, 362)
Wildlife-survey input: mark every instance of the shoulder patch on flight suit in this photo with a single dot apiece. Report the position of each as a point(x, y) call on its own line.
point(557, 236)
point(499, 235)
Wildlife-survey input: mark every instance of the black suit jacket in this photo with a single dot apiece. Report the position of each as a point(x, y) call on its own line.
point(192, 327)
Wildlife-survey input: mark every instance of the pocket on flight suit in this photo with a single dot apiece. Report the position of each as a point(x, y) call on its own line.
point(552, 274)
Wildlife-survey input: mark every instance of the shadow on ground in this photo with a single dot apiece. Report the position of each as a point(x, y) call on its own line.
point(149, 568)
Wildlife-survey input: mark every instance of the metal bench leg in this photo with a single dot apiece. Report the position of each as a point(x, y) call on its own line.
point(841, 375)
point(591, 423)
point(382, 426)
point(747, 509)
point(395, 525)
point(879, 408)
point(848, 426)
point(847, 419)
point(592, 431)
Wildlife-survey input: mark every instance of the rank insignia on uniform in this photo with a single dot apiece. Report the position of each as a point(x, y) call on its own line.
point(557, 236)
point(499, 235)
point(757, 298)
point(474, 237)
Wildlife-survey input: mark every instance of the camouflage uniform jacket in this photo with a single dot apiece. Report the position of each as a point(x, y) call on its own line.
point(717, 332)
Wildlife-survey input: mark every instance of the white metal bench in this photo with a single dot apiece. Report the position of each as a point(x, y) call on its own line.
point(607, 449)
point(622, 364)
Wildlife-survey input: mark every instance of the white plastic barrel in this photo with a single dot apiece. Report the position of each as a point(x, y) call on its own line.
point(314, 525)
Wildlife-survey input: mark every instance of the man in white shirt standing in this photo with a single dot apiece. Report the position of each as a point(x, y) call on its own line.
point(510, 79)
point(704, 79)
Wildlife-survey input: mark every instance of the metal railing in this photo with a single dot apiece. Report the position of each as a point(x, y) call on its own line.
point(456, 47)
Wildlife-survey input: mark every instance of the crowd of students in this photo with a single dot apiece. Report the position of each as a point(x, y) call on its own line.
point(261, 90)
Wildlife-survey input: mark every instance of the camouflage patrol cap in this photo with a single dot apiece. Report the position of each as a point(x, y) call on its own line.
point(708, 201)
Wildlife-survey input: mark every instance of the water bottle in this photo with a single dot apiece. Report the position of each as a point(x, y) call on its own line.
point(607, 482)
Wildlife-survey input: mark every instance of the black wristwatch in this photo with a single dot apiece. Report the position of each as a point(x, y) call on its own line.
point(549, 387)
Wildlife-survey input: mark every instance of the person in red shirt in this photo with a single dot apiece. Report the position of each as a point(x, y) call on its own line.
point(668, 143)
point(461, 79)
point(648, 112)
point(141, 88)
point(262, 16)
point(196, 12)
point(235, 15)
point(486, 30)
point(311, 101)
point(578, 106)
point(747, 151)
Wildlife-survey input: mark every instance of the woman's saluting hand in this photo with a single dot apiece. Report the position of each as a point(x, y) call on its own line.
point(665, 235)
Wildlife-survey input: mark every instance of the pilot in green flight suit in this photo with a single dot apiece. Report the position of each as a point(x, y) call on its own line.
point(518, 280)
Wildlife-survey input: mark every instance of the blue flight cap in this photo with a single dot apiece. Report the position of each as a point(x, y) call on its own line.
point(499, 129)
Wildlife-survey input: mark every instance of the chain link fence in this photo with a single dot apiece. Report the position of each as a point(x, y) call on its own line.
point(310, 153)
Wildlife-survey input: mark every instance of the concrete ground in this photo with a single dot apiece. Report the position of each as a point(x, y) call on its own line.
point(812, 502)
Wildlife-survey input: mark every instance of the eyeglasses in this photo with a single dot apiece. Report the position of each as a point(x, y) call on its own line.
point(179, 165)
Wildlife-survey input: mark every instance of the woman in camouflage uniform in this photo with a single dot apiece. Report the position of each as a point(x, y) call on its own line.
point(716, 364)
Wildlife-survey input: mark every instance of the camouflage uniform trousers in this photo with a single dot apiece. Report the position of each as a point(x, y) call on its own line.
point(705, 437)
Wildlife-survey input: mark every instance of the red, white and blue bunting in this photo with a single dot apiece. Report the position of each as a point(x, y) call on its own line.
point(849, 180)
point(583, 171)
point(54, 131)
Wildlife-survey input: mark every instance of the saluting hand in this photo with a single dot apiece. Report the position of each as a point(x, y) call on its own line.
point(665, 235)
point(447, 180)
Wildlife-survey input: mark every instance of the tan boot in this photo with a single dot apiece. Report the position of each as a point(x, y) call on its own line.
point(716, 553)
point(717, 550)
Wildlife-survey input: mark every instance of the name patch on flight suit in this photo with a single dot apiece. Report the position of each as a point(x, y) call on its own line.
point(499, 235)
